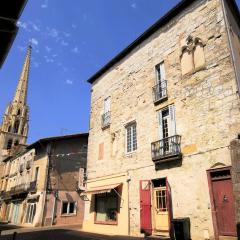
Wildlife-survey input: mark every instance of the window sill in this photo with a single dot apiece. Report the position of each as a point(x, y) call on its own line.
point(68, 215)
point(129, 154)
point(106, 223)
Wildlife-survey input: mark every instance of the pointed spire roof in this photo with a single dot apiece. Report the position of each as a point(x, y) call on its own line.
point(21, 91)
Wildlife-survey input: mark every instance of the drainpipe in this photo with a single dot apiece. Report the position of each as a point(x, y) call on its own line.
point(55, 193)
point(45, 183)
point(128, 181)
point(230, 42)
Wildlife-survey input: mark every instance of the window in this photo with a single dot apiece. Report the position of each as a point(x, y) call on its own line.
point(68, 208)
point(16, 143)
point(131, 133)
point(160, 89)
point(106, 205)
point(16, 126)
point(9, 144)
point(106, 113)
point(36, 173)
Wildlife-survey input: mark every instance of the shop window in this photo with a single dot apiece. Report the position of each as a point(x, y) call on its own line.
point(68, 208)
point(106, 205)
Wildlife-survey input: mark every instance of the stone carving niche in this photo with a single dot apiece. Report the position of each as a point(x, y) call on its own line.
point(192, 55)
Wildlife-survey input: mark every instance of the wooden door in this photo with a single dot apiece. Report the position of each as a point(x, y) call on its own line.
point(161, 218)
point(224, 205)
point(145, 207)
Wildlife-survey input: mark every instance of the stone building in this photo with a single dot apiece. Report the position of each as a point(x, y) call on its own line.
point(163, 114)
point(41, 186)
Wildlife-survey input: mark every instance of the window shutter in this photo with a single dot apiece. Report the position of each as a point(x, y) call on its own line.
point(162, 70)
point(160, 124)
point(107, 105)
point(173, 120)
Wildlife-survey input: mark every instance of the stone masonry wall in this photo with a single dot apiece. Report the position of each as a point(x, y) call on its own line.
point(207, 114)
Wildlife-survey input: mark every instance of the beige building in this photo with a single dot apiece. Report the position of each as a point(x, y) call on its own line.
point(42, 185)
point(163, 113)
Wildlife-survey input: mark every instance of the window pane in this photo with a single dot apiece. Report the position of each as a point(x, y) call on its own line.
point(100, 208)
point(129, 139)
point(106, 207)
point(134, 137)
point(71, 207)
point(64, 207)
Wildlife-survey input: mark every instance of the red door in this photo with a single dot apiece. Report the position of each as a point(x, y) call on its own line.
point(224, 205)
point(145, 207)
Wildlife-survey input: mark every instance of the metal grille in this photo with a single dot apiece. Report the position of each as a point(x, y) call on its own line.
point(106, 117)
point(160, 91)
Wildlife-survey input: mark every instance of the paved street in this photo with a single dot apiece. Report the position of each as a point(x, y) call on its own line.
point(53, 234)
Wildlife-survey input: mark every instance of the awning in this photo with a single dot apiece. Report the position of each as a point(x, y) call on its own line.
point(102, 189)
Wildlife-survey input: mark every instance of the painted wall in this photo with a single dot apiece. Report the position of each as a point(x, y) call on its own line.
point(122, 228)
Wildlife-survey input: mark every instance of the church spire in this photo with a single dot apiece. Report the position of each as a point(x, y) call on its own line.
point(21, 91)
point(14, 128)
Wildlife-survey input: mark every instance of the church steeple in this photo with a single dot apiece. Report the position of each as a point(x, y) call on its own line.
point(21, 91)
point(14, 128)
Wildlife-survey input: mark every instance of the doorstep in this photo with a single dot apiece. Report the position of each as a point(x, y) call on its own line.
point(227, 238)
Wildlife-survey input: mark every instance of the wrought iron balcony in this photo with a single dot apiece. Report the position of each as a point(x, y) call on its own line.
point(167, 149)
point(160, 91)
point(106, 118)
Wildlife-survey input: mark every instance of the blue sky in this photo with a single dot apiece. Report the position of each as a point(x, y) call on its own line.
point(71, 40)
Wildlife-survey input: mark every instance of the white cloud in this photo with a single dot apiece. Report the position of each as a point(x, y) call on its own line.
point(21, 48)
point(22, 24)
point(74, 25)
point(34, 41)
point(133, 5)
point(48, 49)
point(64, 43)
point(48, 60)
point(35, 27)
point(66, 34)
point(75, 50)
point(53, 32)
point(36, 64)
point(70, 82)
point(45, 4)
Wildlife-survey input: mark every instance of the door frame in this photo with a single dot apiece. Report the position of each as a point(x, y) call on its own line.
point(210, 187)
point(169, 203)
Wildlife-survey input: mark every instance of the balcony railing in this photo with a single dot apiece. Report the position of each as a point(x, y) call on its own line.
point(160, 91)
point(106, 118)
point(167, 149)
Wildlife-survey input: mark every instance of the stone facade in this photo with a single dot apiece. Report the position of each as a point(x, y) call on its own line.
point(206, 111)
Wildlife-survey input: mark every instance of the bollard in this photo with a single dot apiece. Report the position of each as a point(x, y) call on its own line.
point(14, 236)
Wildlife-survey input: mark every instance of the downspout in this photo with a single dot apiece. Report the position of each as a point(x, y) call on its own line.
point(45, 183)
point(230, 42)
point(128, 181)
